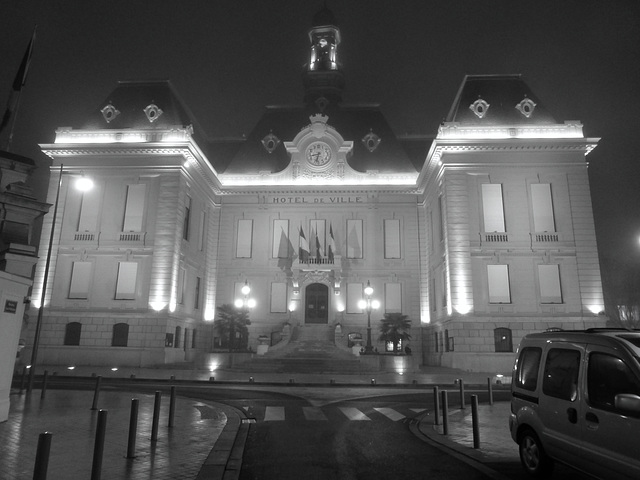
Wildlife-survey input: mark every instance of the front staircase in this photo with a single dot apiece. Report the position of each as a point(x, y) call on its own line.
point(310, 350)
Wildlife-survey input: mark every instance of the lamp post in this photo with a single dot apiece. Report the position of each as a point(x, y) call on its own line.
point(83, 184)
point(244, 303)
point(368, 304)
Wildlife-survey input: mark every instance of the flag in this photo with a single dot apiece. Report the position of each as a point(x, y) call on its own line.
point(332, 244)
point(18, 83)
point(303, 251)
point(318, 248)
point(285, 251)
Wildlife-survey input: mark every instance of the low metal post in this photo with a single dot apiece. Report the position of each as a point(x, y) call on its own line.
point(156, 417)
point(436, 406)
point(98, 448)
point(445, 413)
point(23, 378)
point(490, 389)
point(42, 456)
point(96, 393)
point(474, 421)
point(133, 428)
point(43, 392)
point(172, 406)
point(461, 394)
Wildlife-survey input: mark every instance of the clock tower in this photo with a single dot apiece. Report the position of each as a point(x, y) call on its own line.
point(323, 78)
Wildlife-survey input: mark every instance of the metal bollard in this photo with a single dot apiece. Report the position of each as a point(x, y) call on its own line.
point(42, 456)
point(133, 427)
point(173, 377)
point(445, 413)
point(474, 420)
point(436, 406)
point(98, 447)
point(96, 393)
point(156, 417)
point(172, 406)
point(22, 379)
point(43, 392)
point(461, 381)
point(490, 388)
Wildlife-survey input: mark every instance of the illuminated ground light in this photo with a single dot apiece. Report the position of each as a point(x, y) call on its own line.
point(71, 367)
point(595, 309)
point(114, 369)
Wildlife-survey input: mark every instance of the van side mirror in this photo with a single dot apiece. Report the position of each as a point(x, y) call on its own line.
point(628, 402)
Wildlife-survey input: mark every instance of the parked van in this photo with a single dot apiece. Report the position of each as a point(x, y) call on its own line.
point(576, 400)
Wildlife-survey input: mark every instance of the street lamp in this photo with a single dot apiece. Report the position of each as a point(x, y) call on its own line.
point(245, 302)
point(368, 304)
point(83, 184)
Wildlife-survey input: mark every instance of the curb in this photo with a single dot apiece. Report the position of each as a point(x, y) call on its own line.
point(225, 459)
point(471, 457)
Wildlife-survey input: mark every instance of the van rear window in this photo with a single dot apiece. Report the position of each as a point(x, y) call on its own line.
point(527, 368)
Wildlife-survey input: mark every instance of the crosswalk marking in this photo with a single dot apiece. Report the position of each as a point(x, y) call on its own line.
point(353, 413)
point(274, 414)
point(390, 413)
point(314, 414)
point(417, 410)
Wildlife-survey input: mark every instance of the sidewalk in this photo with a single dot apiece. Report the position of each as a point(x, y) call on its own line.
point(202, 439)
point(202, 433)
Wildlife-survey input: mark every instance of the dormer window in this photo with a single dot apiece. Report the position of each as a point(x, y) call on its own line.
point(152, 112)
point(479, 107)
point(110, 113)
point(526, 107)
point(270, 142)
point(371, 141)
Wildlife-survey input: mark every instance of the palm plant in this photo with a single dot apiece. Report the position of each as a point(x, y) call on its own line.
point(393, 328)
point(231, 322)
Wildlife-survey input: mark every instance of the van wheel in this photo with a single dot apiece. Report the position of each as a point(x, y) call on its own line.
point(532, 455)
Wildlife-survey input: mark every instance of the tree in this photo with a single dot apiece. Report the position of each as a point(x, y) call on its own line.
point(231, 323)
point(393, 328)
point(621, 282)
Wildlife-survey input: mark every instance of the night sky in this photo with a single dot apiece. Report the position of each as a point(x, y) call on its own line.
point(230, 58)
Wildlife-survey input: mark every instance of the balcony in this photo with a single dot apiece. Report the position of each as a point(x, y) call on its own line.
point(319, 264)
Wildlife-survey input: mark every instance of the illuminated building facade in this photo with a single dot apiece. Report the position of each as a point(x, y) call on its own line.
point(480, 235)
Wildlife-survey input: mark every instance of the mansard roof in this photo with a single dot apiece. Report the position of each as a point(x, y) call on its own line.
point(502, 94)
point(353, 123)
point(129, 101)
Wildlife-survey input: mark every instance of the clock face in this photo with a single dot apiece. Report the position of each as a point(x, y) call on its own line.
point(318, 154)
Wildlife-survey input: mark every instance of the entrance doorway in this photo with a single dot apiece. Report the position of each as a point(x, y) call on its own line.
point(317, 304)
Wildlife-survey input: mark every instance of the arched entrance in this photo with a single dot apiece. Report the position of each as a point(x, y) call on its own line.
point(317, 304)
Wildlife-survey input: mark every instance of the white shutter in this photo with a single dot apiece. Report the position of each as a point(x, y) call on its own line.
point(392, 297)
point(492, 207)
point(354, 295)
point(244, 240)
point(392, 238)
point(549, 281)
point(89, 206)
point(80, 278)
point(542, 205)
point(134, 209)
point(278, 297)
point(498, 276)
point(126, 283)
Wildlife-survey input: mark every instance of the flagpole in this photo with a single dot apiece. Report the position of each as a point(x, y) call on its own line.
point(13, 103)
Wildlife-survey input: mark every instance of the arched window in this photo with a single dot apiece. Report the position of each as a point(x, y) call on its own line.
point(503, 340)
point(120, 336)
point(176, 343)
point(72, 333)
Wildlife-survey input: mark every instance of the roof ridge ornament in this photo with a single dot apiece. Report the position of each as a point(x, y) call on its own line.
point(526, 107)
point(479, 107)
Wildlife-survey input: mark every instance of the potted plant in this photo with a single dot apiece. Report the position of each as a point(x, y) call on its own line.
point(231, 323)
point(393, 328)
